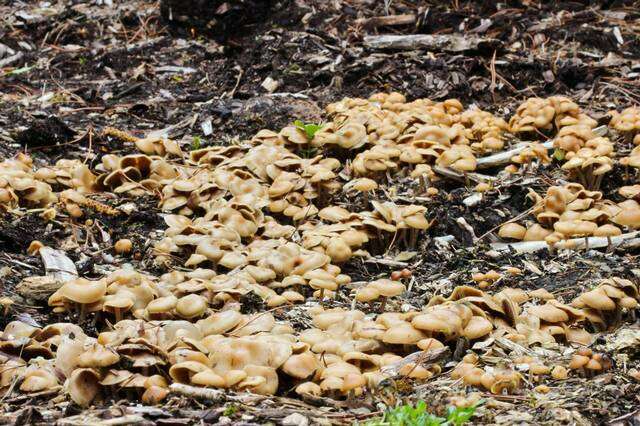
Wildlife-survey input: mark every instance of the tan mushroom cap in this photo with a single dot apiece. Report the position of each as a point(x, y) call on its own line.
point(208, 378)
point(301, 366)
point(233, 377)
point(403, 334)
point(182, 372)
point(352, 381)
point(367, 294)
point(388, 288)
point(267, 386)
point(293, 296)
point(430, 344)
point(536, 233)
point(83, 386)
point(154, 395)
point(162, 304)
point(84, 291)
point(598, 299)
point(477, 327)
point(628, 217)
point(309, 388)
point(512, 230)
point(191, 306)
point(548, 313)
point(338, 250)
point(363, 184)
point(38, 380)
point(98, 356)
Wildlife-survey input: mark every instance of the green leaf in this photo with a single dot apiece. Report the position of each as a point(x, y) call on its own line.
point(196, 143)
point(309, 129)
point(407, 415)
point(558, 154)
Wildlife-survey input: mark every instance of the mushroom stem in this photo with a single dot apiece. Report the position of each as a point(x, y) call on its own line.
point(383, 304)
point(413, 238)
point(586, 243)
point(598, 182)
point(552, 249)
point(365, 199)
point(82, 313)
point(118, 313)
point(626, 173)
point(609, 244)
point(422, 184)
point(583, 179)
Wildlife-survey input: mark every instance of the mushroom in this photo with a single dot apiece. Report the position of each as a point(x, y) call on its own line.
point(154, 395)
point(512, 230)
point(83, 386)
point(362, 185)
point(387, 288)
point(301, 366)
point(82, 292)
point(477, 327)
point(97, 356)
point(208, 378)
point(191, 306)
point(308, 388)
point(38, 380)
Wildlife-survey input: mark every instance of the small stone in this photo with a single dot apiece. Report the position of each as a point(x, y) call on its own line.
point(270, 85)
point(295, 419)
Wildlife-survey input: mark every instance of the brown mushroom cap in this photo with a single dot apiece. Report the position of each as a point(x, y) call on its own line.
point(598, 299)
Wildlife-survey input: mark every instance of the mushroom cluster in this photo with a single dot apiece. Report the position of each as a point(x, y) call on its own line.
point(545, 115)
point(495, 380)
point(627, 122)
point(589, 163)
point(20, 187)
point(135, 174)
point(150, 145)
point(267, 217)
point(189, 329)
point(587, 363)
point(571, 211)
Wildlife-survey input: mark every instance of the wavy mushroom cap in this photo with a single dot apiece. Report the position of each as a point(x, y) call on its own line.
point(84, 291)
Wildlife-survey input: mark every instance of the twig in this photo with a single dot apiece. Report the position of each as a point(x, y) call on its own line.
point(450, 173)
point(443, 42)
point(623, 241)
point(504, 157)
point(386, 21)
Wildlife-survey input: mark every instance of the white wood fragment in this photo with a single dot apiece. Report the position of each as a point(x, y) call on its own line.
point(58, 265)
